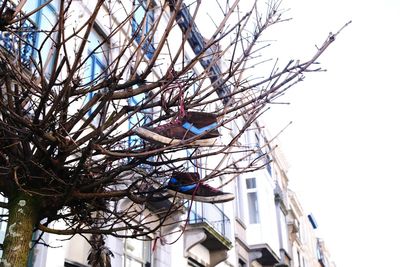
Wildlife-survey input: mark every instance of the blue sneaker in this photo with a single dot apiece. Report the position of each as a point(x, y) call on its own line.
point(189, 186)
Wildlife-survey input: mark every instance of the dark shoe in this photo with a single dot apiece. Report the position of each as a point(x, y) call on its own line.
point(189, 186)
point(177, 131)
point(202, 120)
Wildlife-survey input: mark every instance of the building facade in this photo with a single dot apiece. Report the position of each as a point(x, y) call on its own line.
point(265, 224)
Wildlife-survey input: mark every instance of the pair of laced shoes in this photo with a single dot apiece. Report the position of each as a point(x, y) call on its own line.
point(196, 129)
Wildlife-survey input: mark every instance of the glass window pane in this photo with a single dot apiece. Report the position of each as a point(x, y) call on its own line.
point(139, 14)
point(253, 207)
point(251, 183)
point(136, 119)
point(284, 232)
point(46, 19)
point(239, 202)
point(129, 262)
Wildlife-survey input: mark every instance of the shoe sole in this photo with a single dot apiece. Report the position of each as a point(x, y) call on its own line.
point(204, 199)
point(147, 134)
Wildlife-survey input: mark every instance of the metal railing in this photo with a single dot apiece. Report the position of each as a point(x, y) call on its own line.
point(212, 215)
point(21, 42)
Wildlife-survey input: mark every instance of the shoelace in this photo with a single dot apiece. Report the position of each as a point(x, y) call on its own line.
point(209, 187)
point(176, 84)
point(204, 185)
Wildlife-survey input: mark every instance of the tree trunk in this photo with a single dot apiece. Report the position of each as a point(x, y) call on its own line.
point(23, 215)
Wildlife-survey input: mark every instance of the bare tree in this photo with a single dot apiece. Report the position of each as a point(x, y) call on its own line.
point(71, 105)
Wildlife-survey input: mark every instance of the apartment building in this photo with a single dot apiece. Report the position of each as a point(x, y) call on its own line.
point(265, 224)
point(308, 249)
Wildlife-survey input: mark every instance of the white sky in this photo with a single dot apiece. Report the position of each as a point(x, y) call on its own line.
point(343, 146)
point(344, 143)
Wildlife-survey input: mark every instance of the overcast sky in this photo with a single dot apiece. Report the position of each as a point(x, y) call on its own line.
point(344, 144)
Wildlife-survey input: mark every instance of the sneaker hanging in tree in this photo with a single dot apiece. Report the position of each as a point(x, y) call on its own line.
point(188, 185)
point(193, 124)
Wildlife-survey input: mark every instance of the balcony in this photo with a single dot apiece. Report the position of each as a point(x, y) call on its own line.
point(215, 224)
point(209, 226)
point(20, 44)
point(267, 257)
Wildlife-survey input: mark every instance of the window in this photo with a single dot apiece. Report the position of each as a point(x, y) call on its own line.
point(143, 21)
point(137, 253)
point(267, 157)
point(284, 230)
point(20, 43)
point(31, 36)
point(253, 207)
point(95, 68)
point(239, 201)
point(46, 19)
point(251, 183)
point(268, 162)
point(252, 200)
point(3, 223)
point(136, 119)
point(96, 72)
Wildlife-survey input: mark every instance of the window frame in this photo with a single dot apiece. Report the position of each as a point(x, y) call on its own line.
point(140, 29)
point(252, 209)
point(135, 120)
point(40, 16)
point(145, 252)
point(32, 31)
point(94, 61)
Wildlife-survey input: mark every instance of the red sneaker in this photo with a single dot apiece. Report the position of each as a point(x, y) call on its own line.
point(192, 125)
point(189, 186)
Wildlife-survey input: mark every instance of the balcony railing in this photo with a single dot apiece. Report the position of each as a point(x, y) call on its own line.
point(21, 42)
point(213, 216)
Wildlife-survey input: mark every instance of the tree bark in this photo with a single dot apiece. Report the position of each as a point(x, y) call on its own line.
point(23, 216)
